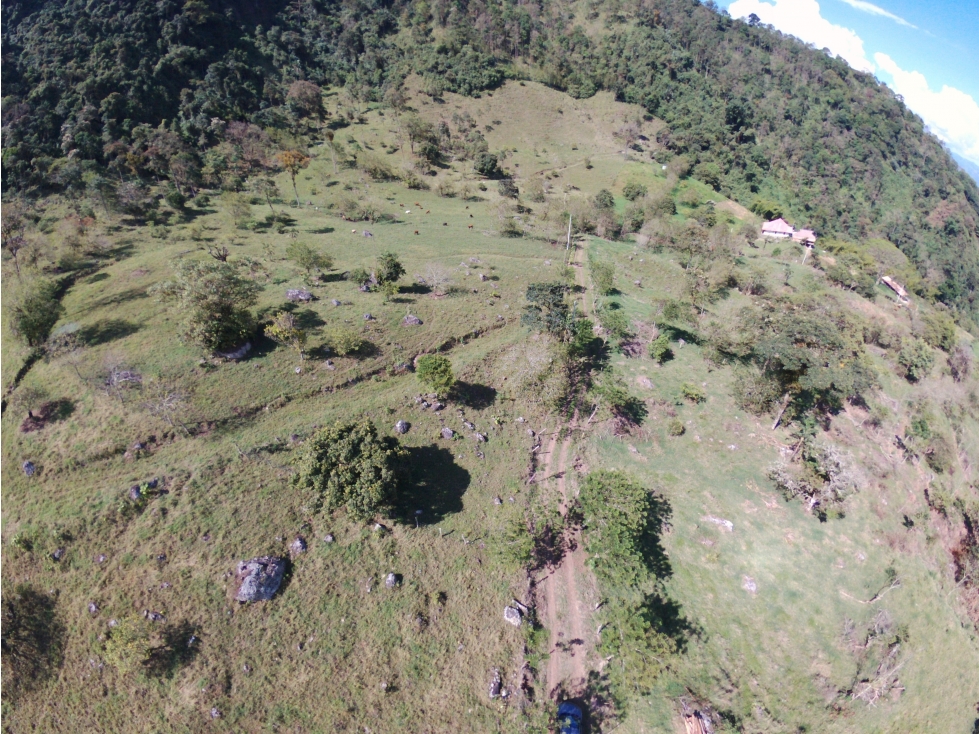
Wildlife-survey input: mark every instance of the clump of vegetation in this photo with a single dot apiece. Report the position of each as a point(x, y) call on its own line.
point(307, 258)
point(377, 168)
point(938, 330)
point(675, 427)
point(633, 191)
point(916, 359)
point(285, 330)
point(214, 299)
point(659, 348)
point(37, 312)
point(435, 373)
point(602, 275)
point(604, 200)
point(343, 340)
point(829, 475)
point(692, 393)
point(622, 521)
point(349, 466)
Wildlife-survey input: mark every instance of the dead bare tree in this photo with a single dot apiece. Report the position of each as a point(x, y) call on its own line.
point(167, 403)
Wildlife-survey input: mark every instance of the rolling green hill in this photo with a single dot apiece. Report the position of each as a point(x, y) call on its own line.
point(720, 481)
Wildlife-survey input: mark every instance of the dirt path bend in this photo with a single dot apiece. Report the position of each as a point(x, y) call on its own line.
point(569, 587)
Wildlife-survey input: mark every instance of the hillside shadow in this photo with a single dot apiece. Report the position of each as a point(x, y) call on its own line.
point(107, 330)
point(435, 487)
point(473, 396)
point(322, 230)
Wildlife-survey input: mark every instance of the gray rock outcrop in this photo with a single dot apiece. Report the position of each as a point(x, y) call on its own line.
point(259, 578)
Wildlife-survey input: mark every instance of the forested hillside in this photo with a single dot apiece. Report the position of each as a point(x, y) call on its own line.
point(779, 126)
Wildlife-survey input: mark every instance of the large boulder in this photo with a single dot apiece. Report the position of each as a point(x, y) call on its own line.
point(512, 615)
point(259, 578)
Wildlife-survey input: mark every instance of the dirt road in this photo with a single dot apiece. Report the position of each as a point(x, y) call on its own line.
point(569, 588)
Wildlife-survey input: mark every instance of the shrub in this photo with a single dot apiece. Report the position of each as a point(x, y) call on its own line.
point(389, 268)
point(829, 475)
point(343, 340)
point(348, 465)
point(613, 320)
point(37, 313)
point(602, 275)
point(916, 358)
point(487, 165)
point(960, 362)
point(445, 190)
point(675, 427)
point(214, 299)
point(284, 330)
point(756, 392)
point(604, 200)
point(710, 173)
point(507, 188)
point(535, 189)
point(938, 329)
point(940, 454)
point(377, 168)
point(435, 373)
point(663, 205)
point(633, 191)
point(360, 276)
point(693, 393)
point(307, 258)
point(412, 179)
point(659, 348)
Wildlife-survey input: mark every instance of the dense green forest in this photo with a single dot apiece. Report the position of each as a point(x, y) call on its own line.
point(131, 90)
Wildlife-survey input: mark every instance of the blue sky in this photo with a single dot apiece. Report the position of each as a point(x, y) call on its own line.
point(928, 52)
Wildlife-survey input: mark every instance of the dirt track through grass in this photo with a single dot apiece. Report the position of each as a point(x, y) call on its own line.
point(569, 586)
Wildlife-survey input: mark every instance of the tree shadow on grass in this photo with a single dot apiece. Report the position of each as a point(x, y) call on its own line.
point(435, 486)
point(33, 638)
point(473, 396)
point(107, 330)
point(51, 412)
point(178, 647)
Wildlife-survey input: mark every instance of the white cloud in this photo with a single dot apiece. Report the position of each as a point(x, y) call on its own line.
point(802, 19)
point(951, 114)
point(877, 10)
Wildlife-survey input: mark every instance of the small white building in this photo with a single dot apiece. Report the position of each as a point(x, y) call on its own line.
point(804, 237)
point(778, 229)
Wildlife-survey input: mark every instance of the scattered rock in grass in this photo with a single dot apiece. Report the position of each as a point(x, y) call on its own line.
point(101, 558)
point(368, 317)
point(154, 616)
point(335, 302)
point(93, 608)
point(469, 425)
point(521, 419)
point(448, 433)
point(482, 277)
point(328, 538)
point(637, 283)
point(299, 295)
point(749, 585)
point(58, 554)
point(162, 558)
point(29, 468)
point(236, 354)
point(215, 713)
point(495, 684)
point(391, 581)
point(497, 501)
point(402, 427)
point(259, 578)
point(379, 528)
point(411, 320)
point(113, 622)
point(165, 585)
point(299, 370)
point(480, 437)
point(298, 546)
point(645, 382)
point(425, 405)
point(438, 406)
point(530, 432)
point(720, 522)
point(512, 615)
point(329, 364)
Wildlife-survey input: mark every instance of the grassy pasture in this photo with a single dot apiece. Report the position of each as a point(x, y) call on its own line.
point(784, 656)
point(329, 655)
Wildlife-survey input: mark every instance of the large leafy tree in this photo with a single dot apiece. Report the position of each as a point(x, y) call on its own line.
point(37, 312)
point(347, 465)
point(214, 300)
